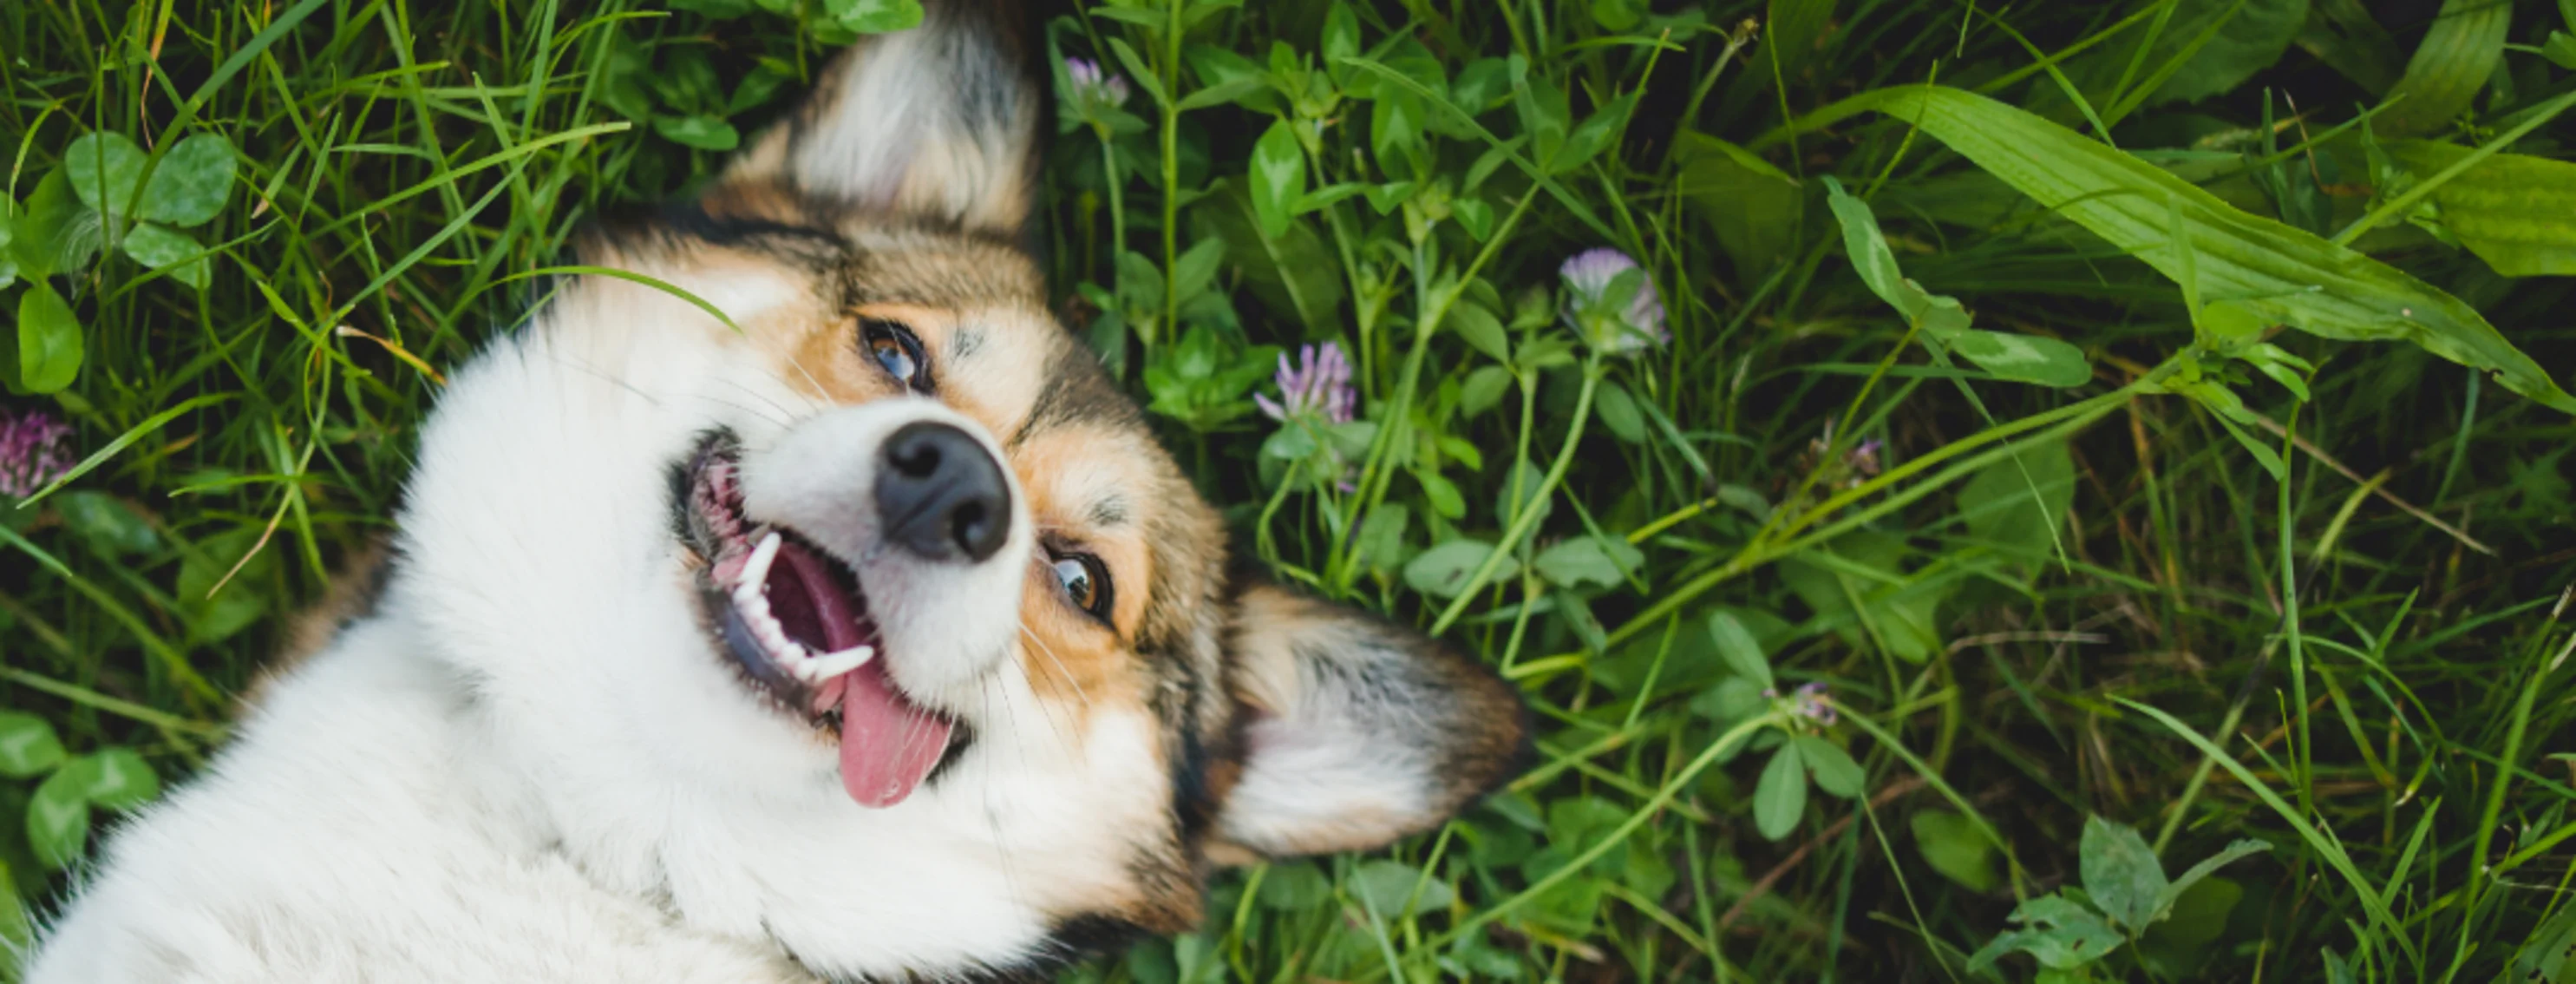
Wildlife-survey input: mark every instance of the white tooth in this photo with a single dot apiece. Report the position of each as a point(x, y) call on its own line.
point(829, 665)
point(755, 571)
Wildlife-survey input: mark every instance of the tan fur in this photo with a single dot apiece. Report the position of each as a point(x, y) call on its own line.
point(351, 596)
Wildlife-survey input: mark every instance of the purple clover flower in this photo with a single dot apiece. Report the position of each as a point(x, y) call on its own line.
point(1859, 462)
point(1808, 701)
point(1864, 459)
point(1813, 705)
point(1623, 330)
point(32, 455)
point(1318, 386)
point(1093, 88)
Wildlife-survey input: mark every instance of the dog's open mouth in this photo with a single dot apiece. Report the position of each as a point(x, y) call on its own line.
point(797, 625)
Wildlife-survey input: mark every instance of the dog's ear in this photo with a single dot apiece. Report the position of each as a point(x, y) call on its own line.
point(940, 121)
point(1357, 731)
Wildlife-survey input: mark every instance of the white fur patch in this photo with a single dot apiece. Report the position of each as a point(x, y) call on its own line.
point(530, 763)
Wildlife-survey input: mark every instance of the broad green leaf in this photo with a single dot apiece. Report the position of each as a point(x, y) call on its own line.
point(2338, 970)
point(2550, 953)
point(58, 819)
point(2349, 40)
point(1953, 846)
point(162, 248)
point(1386, 886)
point(115, 778)
point(1753, 207)
point(106, 523)
point(1481, 329)
point(192, 182)
point(105, 168)
point(2121, 873)
point(2251, 40)
point(1483, 389)
point(1442, 570)
point(2459, 53)
point(1382, 535)
point(1733, 699)
point(2517, 212)
point(1790, 34)
point(1296, 273)
point(1294, 886)
point(1227, 77)
point(1616, 15)
point(238, 603)
point(1618, 411)
point(1474, 215)
point(1196, 267)
point(2560, 49)
point(1480, 85)
point(1341, 37)
point(1278, 177)
point(1895, 609)
point(1593, 136)
point(2207, 867)
point(1136, 69)
point(49, 340)
point(28, 746)
point(1326, 195)
point(1780, 797)
point(687, 80)
point(1443, 493)
point(1870, 256)
point(1833, 768)
point(2019, 503)
point(54, 233)
point(1588, 560)
point(2199, 915)
point(1742, 652)
point(2281, 274)
point(875, 16)
point(2061, 934)
point(703, 132)
point(2023, 358)
point(2219, 44)
point(1545, 118)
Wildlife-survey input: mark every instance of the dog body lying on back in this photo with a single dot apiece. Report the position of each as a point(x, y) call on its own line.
point(867, 636)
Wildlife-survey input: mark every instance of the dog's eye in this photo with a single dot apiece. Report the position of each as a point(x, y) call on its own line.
point(1085, 583)
point(896, 350)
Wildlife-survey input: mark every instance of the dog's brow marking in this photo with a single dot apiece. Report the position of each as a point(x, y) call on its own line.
point(967, 341)
point(1110, 511)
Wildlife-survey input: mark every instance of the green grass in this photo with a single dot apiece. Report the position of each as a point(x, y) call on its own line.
point(2123, 590)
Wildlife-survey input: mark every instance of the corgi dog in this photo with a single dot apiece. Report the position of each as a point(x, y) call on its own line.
point(840, 620)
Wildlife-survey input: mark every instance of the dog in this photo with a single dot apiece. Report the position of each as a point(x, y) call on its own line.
point(861, 631)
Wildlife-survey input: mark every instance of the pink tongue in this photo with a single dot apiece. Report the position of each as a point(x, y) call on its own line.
point(887, 744)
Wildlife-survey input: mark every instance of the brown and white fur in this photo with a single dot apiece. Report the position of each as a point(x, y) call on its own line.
point(537, 754)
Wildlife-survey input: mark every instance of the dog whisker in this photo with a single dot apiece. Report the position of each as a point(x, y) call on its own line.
point(1059, 663)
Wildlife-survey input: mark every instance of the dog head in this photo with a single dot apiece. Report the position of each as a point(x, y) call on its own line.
point(815, 584)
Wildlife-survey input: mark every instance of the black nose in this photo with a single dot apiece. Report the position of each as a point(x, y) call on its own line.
point(941, 494)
